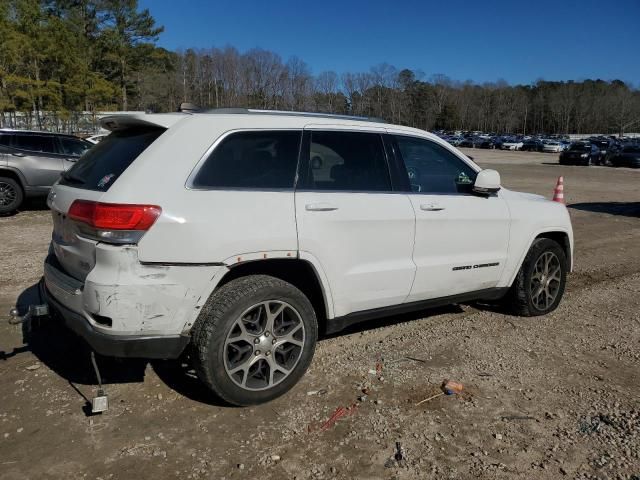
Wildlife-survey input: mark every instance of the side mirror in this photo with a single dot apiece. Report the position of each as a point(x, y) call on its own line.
point(487, 182)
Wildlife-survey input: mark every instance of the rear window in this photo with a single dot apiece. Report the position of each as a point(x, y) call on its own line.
point(101, 166)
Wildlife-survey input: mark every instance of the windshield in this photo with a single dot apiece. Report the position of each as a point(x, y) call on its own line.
point(580, 147)
point(100, 167)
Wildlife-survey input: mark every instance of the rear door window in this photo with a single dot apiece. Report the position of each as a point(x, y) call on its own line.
point(101, 166)
point(71, 146)
point(254, 160)
point(347, 161)
point(35, 143)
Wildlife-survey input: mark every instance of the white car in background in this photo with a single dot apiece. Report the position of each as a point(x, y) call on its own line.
point(243, 235)
point(552, 146)
point(512, 144)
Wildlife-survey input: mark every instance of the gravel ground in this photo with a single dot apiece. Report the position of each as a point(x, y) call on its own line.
point(546, 398)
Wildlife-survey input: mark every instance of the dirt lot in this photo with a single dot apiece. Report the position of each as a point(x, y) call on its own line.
point(552, 397)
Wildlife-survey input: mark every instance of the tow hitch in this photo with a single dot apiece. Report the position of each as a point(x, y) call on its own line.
point(99, 403)
point(33, 312)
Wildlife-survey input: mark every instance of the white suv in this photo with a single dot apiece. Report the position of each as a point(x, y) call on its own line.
point(244, 234)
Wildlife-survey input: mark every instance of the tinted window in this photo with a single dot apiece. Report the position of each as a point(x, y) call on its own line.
point(71, 146)
point(105, 162)
point(5, 140)
point(434, 169)
point(580, 147)
point(265, 159)
point(35, 143)
point(351, 161)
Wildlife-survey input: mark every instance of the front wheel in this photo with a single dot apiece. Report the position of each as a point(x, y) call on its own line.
point(254, 339)
point(540, 283)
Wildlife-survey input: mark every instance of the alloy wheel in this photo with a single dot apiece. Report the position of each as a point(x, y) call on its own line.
point(264, 345)
point(8, 194)
point(545, 280)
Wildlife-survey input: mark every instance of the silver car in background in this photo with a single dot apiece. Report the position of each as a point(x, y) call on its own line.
point(31, 162)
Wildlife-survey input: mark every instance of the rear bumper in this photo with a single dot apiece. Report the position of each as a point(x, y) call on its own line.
point(63, 294)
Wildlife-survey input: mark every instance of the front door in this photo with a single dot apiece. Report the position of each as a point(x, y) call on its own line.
point(461, 239)
point(351, 222)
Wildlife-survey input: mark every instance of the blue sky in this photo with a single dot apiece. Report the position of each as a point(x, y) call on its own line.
point(517, 41)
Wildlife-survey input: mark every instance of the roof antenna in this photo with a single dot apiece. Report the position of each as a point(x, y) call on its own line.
point(188, 107)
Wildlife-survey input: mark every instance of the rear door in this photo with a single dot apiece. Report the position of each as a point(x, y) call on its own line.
point(461, 239)
point(37, 157)
point(5, 143)
point(351, 222)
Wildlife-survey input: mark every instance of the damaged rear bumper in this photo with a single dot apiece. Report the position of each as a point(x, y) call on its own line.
point(64, 295)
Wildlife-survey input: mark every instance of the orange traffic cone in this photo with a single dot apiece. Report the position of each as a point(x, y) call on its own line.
point(558, 192)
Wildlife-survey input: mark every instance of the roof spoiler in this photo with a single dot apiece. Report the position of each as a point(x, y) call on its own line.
point(123, 121)
point(187, 107)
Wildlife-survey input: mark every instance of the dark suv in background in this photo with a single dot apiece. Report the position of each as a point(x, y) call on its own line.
point(580, 153)
point(31, 162)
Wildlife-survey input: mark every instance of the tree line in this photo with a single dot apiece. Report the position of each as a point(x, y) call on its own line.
point(70, 56)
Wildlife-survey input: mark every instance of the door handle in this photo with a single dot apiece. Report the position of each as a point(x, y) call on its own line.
point(320, 207)
point(431, 207)
point(18, 154)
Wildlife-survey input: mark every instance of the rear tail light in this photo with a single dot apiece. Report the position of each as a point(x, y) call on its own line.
point(113, 222)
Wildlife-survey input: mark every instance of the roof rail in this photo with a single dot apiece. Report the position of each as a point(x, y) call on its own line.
point(253, 111)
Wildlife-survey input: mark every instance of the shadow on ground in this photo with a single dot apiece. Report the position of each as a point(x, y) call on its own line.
point(627, 209)
point(37, 204)
point(68, 355)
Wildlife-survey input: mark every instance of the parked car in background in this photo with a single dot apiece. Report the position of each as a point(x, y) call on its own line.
point(484, 142)
point(627, 156)
point(466, 142)
point(532, 145)
point(604, 145)
point(511, 144)
point(580, 153)
point(551, 146)
point(30, 163)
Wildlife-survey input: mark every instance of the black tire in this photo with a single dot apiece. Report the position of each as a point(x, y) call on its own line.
point(219, 316)
point(520, 298)
point(11, 195)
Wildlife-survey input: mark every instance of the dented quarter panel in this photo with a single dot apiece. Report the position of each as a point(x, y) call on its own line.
point(144, 299)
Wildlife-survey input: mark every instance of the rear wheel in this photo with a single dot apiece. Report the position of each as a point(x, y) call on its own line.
point(540, 283)
point(254, 339)
point(11, 195)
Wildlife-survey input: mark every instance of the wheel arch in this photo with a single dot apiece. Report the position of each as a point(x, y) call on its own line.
point(559, 235)
point(301, 273)
point(15, 175)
